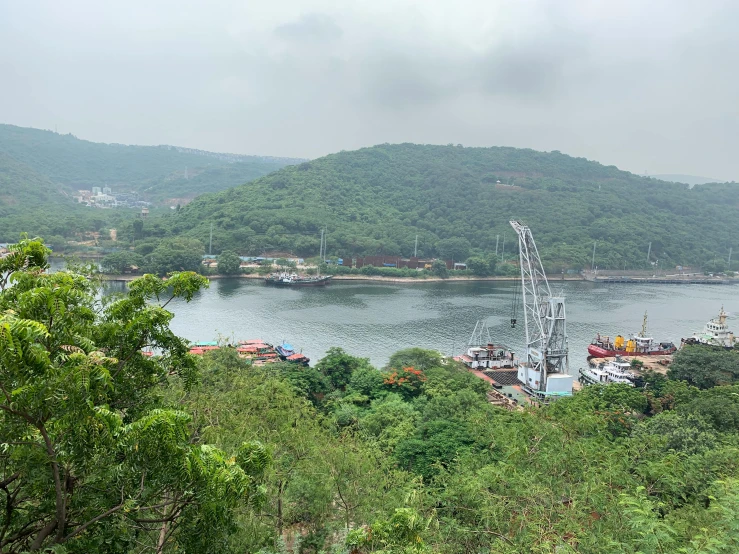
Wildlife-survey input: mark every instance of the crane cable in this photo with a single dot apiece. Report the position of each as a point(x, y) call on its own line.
point(515, 303)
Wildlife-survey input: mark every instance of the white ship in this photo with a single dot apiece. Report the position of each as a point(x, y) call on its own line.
point(715, 333)
point(604, 373)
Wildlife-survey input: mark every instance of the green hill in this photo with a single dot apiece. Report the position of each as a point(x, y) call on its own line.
point(78, 164)
point(376, 200)
point(40, 171)
point(30, 202)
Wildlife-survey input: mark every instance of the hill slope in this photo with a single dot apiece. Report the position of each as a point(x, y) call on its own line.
point(79, 163)
point(39, 170)
point(375, 200)
point(32, 203)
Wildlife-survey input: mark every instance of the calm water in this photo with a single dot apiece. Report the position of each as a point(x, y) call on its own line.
point(374, 320)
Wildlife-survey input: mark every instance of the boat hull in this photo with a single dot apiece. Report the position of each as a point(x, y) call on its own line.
point(599, 352)
point(322, 282)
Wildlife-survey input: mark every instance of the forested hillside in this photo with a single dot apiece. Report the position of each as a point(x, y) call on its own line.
point(39, 205)
point(42, 169)
point(80, 163)
point(106, 449)
point(375, 200)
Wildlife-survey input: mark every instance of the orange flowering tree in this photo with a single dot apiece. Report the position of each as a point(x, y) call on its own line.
point(406, 382)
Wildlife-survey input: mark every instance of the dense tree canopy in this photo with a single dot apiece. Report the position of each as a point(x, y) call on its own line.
point(376, 200)
point(91, 459)
point(228, 263)
point(104, 448)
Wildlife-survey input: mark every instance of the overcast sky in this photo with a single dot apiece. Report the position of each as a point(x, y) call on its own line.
point(642, 84)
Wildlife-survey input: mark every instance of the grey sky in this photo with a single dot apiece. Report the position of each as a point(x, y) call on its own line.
point(642, 84)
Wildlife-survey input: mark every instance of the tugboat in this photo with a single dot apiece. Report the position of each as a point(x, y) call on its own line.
point(636, 345)
point(715, 333)
point(285, 279)
point(604, 373)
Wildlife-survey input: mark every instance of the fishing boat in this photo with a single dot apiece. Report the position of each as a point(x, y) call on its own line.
point(635, 345)
point(285, 279)
point(604, 373)
point(287, 353)
point(715, 333)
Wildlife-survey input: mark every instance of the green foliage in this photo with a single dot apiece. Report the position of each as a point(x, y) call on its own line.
point(418, 358)
point(376, 200)
point(481, 266)
point(228, 263)
point(705, 367)
point(439, 269)
point(91, 459)
point(338, 366)
point(121, 262)
point(175, 254)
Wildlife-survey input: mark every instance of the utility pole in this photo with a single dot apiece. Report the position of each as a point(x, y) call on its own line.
point(649, 251)
point(729, 261)
point(502, 253)
point(496, 245)
point(415, 249)
point(320, 249)
point(592, 265)
point(210, 247)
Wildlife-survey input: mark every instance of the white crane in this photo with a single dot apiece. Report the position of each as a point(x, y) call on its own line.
point(545, 374)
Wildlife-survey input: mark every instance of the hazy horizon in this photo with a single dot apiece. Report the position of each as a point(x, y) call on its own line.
point(643, 87)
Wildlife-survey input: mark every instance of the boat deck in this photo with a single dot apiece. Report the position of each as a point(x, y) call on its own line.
point(658, 364)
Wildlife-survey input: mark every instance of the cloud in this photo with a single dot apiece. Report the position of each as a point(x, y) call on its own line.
point(310, 27)
point(640, 85)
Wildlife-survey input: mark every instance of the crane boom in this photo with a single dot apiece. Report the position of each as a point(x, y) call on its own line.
point(545, 322)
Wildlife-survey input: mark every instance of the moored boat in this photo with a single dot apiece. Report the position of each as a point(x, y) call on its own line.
point(604, 373)
point(294, 280)
point(635, 345)
point(287, 353)
point(482, 353)
point(715, 333)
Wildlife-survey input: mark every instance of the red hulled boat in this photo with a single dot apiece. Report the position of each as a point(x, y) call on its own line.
point(636, 345)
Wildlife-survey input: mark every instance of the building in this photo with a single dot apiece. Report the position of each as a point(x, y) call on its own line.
point(96, 191)
point(107, 190)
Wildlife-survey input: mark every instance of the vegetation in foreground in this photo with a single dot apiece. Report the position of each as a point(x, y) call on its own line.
point(105, 449)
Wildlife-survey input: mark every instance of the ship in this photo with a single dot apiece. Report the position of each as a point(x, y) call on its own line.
point(287, 353)
point(604, 373)
point(257, 351)
point(715, 333)
point(285, 279)
point(483, 354)
point(636, 345)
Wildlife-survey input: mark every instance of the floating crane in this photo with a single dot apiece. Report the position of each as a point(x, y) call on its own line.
point(545, 373)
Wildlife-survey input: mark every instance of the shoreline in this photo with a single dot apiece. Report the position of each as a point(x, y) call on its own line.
point(376, 278)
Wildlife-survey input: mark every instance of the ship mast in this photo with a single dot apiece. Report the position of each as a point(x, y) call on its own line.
point(544, 314)
point(644, 326)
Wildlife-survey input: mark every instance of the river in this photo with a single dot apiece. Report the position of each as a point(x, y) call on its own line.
point(374, 320)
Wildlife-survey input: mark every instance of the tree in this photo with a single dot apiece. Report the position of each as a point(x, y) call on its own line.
point(91, 460)
point(138, 228)
point(705, 367)
point(481, 266)
point(176, 254)
point(454, 248)
point(121, 262)
point(419, 358)
point(338, 366)
point(439, 269)
point(229, 263)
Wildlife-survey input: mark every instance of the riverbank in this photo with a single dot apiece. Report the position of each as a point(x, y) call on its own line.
point(375, 278)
